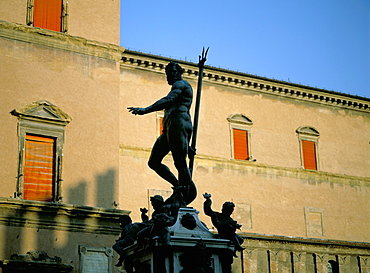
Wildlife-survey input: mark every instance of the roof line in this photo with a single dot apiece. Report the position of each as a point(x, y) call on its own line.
point(162, 58)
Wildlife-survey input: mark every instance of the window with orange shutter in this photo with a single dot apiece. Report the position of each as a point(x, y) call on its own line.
point(309, 155)
point(240, 128)
point(39, 164)
point(240, 142)
point(308, 137)
point(160, 125)
point(47, 14)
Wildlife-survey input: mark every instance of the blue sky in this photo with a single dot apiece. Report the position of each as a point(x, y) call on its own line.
point(319, 43)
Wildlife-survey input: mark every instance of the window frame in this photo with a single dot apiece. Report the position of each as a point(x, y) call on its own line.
point(46, 120)
point(64, 15)
point(308, 133)
point(240, 122)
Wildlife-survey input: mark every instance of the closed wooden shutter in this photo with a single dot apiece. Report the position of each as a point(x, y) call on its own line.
point(309, 155)
point(39, 168)
point(160, 125)
point(48, 14)
point(240, 138)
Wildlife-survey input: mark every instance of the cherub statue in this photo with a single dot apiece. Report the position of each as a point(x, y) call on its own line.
point(224, 224)
point(164, 215)
point(128, 236)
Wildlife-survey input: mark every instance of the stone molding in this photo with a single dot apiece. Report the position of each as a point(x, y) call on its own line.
point(248, 82)
point(257, 168)
point(59, 40)
point(294, 244)
point(9, 266)
point(49, 215)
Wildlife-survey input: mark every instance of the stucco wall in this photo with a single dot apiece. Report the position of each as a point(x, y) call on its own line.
point(95, 20)
point(13, 11)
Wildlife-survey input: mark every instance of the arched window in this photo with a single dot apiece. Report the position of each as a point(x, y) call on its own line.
point(41, 137)
point(308, 141)
point(240, 131)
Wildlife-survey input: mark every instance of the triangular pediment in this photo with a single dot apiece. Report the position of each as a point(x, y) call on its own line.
point(239, 118)
point(42, 110)
point(308, 130)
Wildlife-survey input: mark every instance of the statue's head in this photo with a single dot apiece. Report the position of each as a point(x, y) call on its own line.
point(173, 72)
point(156, 201)
point(228, 208)
point(125, 220)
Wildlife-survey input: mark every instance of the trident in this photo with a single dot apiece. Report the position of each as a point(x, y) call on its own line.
point(202, 60)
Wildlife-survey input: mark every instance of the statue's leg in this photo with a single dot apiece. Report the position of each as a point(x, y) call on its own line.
point(178, 140)
point(159, 151)
point(179, 136)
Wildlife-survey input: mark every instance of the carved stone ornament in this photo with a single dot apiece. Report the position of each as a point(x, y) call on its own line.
point(188, 221)
point(34, 261)
point(36, 255)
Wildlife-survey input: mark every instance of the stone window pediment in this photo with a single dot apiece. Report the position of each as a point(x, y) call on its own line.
point(239, 119)
point(43, 111)
point(308, 130)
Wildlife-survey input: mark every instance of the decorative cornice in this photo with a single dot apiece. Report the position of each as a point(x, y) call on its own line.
point(243, 81)
point(60, 40)
point(309, 176)
point(56, 216)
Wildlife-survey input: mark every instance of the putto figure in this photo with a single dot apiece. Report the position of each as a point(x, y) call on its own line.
point(163, 216)
point(128, 236)
point(177, 130)
point(223, 222)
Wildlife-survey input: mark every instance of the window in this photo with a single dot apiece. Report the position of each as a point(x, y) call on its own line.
point(308, 139)
point(48, 14)
point(41, 138)
point(160, 115)
point(240, 127)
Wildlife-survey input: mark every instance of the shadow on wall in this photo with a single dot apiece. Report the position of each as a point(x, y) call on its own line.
point(77, 195)
point(105, 189)
point(59, 228)
point(105, 185)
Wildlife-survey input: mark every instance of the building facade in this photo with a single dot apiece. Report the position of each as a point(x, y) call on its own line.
point(295, 160)
point(60, 84)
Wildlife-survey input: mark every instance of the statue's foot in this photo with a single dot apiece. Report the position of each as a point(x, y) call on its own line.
point(191, 193)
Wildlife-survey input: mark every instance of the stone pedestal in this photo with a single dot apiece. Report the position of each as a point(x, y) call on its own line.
point(193, 249)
